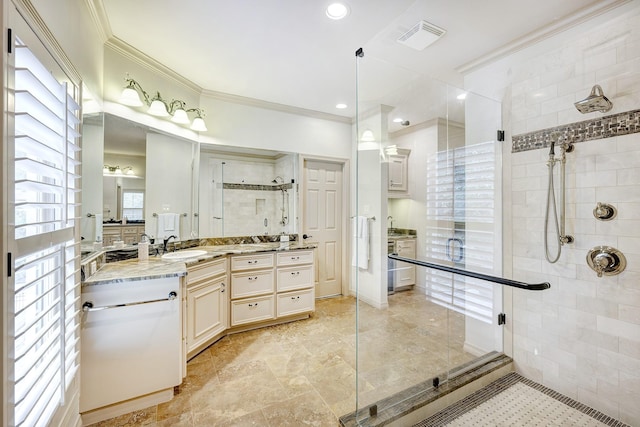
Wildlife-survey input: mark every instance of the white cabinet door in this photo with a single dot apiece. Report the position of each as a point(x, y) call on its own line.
point(207, 312)
point(398, 172)
point(405, 273)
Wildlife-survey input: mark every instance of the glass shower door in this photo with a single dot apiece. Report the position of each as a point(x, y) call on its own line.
point(418, 337)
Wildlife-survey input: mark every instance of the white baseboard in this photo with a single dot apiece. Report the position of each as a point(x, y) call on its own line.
point(127, 406)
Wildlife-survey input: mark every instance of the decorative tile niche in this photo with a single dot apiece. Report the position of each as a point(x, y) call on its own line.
point(587, 130)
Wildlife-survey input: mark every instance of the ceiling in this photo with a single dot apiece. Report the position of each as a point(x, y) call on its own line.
point(288, 52)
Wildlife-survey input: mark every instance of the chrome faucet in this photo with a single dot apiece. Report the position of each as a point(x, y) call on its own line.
point(390, 218)
point(165, 242)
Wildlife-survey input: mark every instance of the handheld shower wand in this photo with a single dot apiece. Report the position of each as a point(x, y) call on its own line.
point(560, 236)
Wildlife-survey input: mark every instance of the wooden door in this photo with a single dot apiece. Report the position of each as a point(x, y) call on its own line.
point(323, 223)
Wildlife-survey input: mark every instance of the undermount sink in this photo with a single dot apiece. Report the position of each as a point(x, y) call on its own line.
point(184, 254)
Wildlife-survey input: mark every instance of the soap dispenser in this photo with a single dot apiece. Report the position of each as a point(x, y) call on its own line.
point(143, 249)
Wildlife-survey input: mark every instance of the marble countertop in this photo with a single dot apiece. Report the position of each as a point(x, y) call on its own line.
point(156, 267)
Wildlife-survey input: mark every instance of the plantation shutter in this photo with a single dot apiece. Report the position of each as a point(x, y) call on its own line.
point(460, 206)
point(44, 199)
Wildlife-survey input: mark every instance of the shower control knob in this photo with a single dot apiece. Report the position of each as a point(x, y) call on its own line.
point(607, 261)
point(604, 212)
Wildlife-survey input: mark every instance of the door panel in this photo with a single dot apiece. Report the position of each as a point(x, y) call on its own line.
point(322, 222)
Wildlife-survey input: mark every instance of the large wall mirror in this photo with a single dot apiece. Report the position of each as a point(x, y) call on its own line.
point(139, 180)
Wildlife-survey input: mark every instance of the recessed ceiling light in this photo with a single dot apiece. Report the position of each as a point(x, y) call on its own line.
point(462, 96)
point(398, 120)
point(337, 10)
point(341, 106)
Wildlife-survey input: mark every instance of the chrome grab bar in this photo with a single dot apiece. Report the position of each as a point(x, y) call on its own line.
point(88, 305)
point(500, 280)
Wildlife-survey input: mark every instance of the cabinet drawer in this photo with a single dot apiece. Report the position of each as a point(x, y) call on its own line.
point(295, 257)
point(130, 230)
point(252, 310)
point(247, 262)
point(206, 270)
point(251, 283)
point(298, 277)
point(295, 302)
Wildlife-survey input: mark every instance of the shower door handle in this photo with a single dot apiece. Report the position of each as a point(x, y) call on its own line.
point(450, 249)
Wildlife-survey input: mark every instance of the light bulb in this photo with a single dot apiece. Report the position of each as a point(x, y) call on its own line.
point(130, 97)
point(158, 108)
point(198, 125)
point(180, 116)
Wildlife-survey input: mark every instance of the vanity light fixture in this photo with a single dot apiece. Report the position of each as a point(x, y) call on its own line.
point(176, 109)
point(125, 172)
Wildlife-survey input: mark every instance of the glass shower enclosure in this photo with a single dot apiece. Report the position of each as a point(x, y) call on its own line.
point(428, 185)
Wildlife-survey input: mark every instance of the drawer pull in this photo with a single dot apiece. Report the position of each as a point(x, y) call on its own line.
point(253, 278)
point(295, 298)
point(295, 273)
point(252, 262)
point(253, 305)
point(295, 258)
point(223, 286)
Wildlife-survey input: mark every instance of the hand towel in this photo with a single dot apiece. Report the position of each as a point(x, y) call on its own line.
point(98, 227)
point(168, 225)
point(360, 247)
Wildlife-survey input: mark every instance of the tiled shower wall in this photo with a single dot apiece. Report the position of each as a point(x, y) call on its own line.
point(581, 337)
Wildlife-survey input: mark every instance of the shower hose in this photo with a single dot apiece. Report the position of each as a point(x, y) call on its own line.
point(551, 205)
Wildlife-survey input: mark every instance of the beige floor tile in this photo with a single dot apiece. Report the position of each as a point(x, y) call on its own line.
point(304, 372)
point(308, 409)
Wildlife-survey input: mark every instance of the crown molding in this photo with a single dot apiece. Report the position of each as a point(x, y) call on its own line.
point(99, 19)
point(557, 27)
point(253, 102)
point(141, 58)
point(29, 13)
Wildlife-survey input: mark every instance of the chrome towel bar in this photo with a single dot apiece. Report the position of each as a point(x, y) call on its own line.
point(88, 305)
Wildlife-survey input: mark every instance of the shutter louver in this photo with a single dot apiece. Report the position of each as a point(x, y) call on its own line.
point(460, 201)
point(46, 289)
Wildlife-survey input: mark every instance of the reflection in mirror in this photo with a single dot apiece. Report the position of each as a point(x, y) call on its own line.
point(92, 164)
point(132, 171)
point(247, 192)
point(123, 171)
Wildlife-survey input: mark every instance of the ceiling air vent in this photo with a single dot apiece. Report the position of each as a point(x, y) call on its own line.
point(421, 35)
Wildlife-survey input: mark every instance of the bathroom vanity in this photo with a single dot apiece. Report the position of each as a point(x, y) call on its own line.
point(138, 334)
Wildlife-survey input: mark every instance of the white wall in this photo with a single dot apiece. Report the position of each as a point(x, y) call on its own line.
point(581, 337)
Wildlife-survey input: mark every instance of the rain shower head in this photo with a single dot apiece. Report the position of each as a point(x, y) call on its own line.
point(596, 101)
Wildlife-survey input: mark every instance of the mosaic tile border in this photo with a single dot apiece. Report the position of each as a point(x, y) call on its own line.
point(587, 130)
point(474, 400)
point(258, 187)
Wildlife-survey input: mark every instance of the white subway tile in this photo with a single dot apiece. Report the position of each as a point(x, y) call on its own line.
point(630, 314)
point(616, 71)
point(527, 264)
point(628, 210)
point(597, 306)
point(618, 327)
point(557, 104)
point(630, 142)
point(542, 122)
point(620, 194)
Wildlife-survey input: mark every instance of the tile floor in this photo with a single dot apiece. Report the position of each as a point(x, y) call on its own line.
point(517, 401)
point(304, 373)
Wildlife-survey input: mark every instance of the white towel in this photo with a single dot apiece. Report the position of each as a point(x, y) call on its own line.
point(98, 218)
point(168, 225)
point(360, 227)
